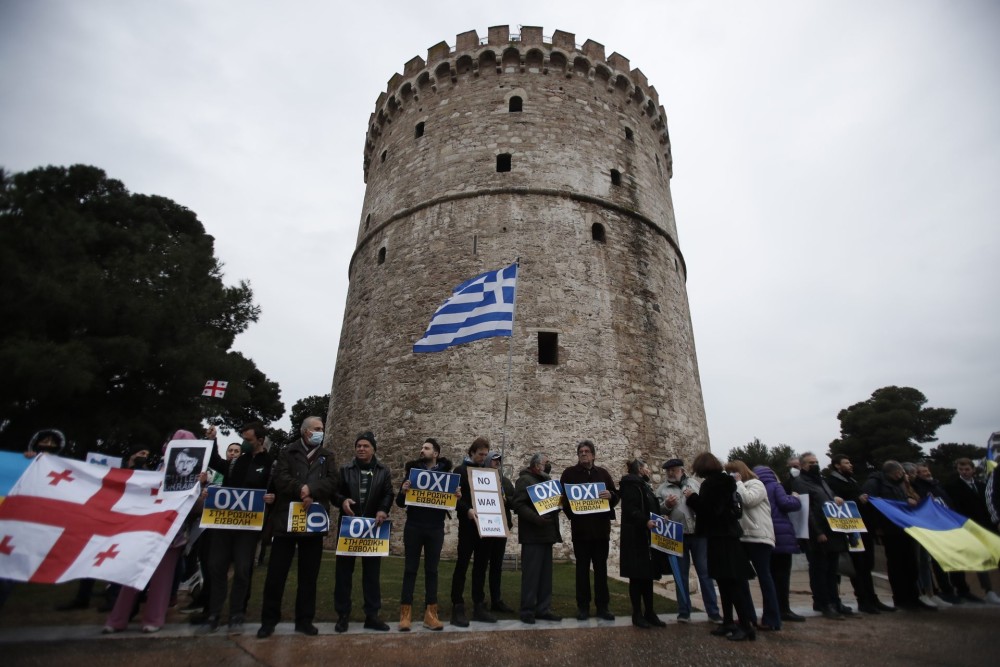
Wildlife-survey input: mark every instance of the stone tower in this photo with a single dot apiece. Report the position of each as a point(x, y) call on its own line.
point(538, 148)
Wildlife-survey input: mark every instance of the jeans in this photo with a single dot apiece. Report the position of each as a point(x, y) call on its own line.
point(760, 556)
point(697, 547)
point(415, 539)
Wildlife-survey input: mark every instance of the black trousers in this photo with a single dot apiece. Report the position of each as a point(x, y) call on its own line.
point(236, 548)
point(864, 563)
point(536, 578)
point(283, 549)
point(823, 575)
point(371, 586)
point(781, 572)
point(736, 593)
point(429, 540)
point(474, 548)
point(497, 547)
point(901, 564)
point(591, 553)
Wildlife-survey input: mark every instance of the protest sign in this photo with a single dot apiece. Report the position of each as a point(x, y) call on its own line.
point(233, 509)
point(667, 536)
point(487, 500)
point(104, 460)
point(313, 519)
point(844, 518)
point(185, 460)
point(362, 536)
point(429, 488)
point(585, 498)
point(546, 496)
point(800, 518)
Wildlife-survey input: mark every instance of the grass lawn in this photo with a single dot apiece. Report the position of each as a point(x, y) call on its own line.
point(34, 604)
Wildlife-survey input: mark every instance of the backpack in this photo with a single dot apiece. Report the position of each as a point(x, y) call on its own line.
point(736, 506)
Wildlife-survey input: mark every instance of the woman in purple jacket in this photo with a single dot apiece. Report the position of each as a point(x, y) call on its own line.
point(785, 543)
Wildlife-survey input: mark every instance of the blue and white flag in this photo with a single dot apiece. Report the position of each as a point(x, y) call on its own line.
point(479, 308)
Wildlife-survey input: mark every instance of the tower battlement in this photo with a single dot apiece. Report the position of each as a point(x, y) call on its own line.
point(503, 52)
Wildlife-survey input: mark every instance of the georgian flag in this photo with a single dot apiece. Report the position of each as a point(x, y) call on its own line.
point(215, 388)
point(67, 519)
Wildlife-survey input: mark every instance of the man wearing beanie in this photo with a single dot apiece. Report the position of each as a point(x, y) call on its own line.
point(365, 490)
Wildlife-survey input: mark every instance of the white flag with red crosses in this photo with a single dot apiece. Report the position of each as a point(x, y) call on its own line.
point(67, 519)
point(215, 388)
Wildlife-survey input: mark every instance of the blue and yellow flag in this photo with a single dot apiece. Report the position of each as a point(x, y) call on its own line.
point(957, 543)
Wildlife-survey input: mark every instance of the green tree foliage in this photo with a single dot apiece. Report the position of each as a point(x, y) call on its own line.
point(892, 424)
point(942, 458)
point(756, 453)
point(115, 315)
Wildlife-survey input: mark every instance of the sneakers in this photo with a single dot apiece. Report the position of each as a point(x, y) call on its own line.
point(481, 614)
point(992, 598)
point(683, 618)
point(717, 618)
point(150, 629)
point(109, 630)
point(927, 601)
point(376, 623)
point(939, 602)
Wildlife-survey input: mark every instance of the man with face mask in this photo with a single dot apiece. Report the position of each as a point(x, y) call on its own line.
point(591, 533)
point(673, 495)
point(536, 535)
point(824, 546)
point(304, 472)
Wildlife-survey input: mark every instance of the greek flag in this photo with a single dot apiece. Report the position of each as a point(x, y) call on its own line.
point(479, 308)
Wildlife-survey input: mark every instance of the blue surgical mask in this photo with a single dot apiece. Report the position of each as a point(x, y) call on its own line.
point(316, 438)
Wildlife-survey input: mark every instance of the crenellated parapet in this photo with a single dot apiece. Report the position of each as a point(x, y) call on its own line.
point(528, 52)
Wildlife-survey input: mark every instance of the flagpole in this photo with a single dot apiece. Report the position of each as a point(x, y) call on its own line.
point(510, 354)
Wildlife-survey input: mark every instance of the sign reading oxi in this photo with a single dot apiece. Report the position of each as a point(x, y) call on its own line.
point(585, 498)
point(363, 536)
point(546, 496)
point(234, 509)
point(666, 535)
point(311, 520)
point(428, 488)
point(844, 518)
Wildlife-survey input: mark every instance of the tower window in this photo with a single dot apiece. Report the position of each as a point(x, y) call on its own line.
point(381, 255)
point(629, 134)
point(597, 232)
point(516, 104)
point(548, 348)
point(418, 131)
point(503, 162)
point(383, 155)
point(368, 221)
point(616, 177)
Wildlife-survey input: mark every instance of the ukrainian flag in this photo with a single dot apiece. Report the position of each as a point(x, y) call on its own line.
point(12, 465)
point(957, 543)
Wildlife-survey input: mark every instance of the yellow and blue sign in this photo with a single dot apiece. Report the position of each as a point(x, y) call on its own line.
point(585, 498)
point(361, 536)
point(313, 519)
point(233, 509)
point(546, 496)
point(844, 518)
point(666, 535)
point(429, 488)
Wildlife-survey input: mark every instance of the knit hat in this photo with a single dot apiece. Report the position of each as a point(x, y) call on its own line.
point(369, 436)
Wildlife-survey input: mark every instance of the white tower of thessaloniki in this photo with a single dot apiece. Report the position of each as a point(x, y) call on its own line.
point(532, 147)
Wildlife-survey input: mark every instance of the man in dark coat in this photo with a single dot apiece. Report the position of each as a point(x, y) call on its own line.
point(304, 472)
point(840, 479)
point(365, 490)
point(824, 546)
point(536, 534)
point(498, 545)
point(591, 533)
point(471, 547)
point(968, 498)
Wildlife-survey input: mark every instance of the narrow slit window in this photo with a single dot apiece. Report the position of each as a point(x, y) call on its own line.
point(516, 104)
point(616, 177)
point(368, 221)
point(597, 232)
point(381, 255)
point(548, 348)
point(629, 134)
point(503, 162)
point(383, 155)
point(418, 131)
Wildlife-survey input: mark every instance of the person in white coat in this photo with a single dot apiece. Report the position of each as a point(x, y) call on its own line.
point(758, 538)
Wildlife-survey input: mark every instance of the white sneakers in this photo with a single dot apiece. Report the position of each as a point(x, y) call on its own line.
point(993, 598)
point(928, 600)
point(938, 601)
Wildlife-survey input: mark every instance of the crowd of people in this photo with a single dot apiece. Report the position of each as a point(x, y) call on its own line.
point(737, 526)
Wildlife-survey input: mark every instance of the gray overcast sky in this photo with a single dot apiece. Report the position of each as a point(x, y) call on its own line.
point(835, 172)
